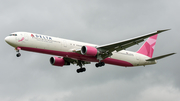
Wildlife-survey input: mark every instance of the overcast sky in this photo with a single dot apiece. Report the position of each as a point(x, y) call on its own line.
point(32, 78)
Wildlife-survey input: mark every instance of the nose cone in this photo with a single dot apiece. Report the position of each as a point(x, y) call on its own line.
point(7, 39)
point(10, 40)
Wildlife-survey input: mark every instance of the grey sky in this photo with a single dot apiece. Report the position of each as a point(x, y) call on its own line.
point(32, 78)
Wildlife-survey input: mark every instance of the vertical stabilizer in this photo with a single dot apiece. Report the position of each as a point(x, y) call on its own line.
point(148, 47)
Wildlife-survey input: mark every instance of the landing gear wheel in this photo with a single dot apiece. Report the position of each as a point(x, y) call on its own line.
point(100, 64)
point(81, 70)
point(78, 71)
point(18, 55)
point(97, 65)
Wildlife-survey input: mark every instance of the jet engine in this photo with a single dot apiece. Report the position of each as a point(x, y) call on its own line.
point(57, 61)
point(89, 50)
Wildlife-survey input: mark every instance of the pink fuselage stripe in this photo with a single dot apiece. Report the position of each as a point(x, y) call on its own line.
point(78, 56)
point(21, 39)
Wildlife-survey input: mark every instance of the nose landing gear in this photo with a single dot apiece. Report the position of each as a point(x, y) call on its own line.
point(17, 50)
point(18, 54)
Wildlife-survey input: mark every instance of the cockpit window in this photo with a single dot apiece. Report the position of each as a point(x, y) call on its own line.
point(13, 34)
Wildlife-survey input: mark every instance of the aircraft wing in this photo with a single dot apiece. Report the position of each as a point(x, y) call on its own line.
point(109, 48)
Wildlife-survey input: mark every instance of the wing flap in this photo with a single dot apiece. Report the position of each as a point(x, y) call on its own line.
point(160, 57)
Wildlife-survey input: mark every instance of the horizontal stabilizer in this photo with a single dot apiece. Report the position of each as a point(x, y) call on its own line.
point(160, 57)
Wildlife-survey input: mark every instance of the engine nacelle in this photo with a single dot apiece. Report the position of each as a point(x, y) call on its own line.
point(89, 50)
point(57, 61)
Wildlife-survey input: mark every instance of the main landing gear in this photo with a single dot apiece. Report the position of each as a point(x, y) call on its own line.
point(99, 64)
point(81, 69)
point(17, 50)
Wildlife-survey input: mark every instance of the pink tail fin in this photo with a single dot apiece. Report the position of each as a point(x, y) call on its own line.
point(148, 47)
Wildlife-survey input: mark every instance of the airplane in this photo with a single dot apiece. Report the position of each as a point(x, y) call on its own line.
point(73, 52)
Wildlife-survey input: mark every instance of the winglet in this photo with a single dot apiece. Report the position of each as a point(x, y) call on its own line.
point(163, 30)
point(160, 57)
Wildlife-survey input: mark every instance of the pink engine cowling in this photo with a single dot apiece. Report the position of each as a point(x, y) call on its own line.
point(89, 50)
point(57, 61)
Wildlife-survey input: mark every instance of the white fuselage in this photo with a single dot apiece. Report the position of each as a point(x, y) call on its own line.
point(65, 48)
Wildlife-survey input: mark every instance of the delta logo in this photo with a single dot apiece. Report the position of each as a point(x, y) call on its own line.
point(41, 36)
point(32, 35)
